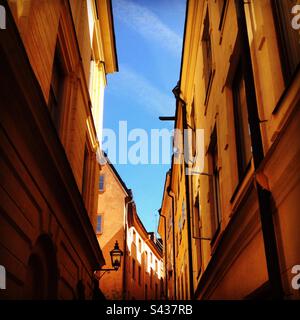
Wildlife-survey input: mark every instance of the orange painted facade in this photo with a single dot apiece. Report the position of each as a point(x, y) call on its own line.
point(141, 272)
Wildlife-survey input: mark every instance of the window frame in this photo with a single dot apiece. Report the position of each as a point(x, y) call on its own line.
point(242, 165)
point(134, 236)
point(103, 189)
point(215, 190)
point(86, 173)
point(197, 228)
point(151, 278)
point(57, 98)
point(222, 12)
point(133, 269)
point(99, 215)
point(139, 275)
point(283, 42)
point(208, 79)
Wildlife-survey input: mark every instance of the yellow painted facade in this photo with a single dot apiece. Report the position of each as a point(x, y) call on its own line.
point(242, 207)
point(54, 59)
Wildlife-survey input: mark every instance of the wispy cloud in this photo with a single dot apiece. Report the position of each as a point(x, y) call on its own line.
point(135, 86)
point(148, 25)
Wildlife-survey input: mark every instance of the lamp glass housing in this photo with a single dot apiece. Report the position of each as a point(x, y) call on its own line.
point(116, 255)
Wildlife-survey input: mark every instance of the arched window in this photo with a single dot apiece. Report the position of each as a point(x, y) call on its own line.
point(42, 278)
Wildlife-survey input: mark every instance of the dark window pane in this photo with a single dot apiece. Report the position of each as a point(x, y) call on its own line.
point(99, 224)
point(56, 89)
point(101, 183)
point(207, 53)
point(139, 275)
point(243, 138)
point(215, 185)
point(133, 269)
point(85, 173)
point(222, 6)
point(197, 233)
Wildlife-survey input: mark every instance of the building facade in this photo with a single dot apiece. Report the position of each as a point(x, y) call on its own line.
point(54, 59)
point(239, 83)
point(141, 272)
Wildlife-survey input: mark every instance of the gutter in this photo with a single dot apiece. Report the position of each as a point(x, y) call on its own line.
point(188, 199)
point(172, 195)
point(176, 92)
point(166, 253)
point(128, 200)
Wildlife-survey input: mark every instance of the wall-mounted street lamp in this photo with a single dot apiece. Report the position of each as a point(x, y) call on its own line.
point(116, 256)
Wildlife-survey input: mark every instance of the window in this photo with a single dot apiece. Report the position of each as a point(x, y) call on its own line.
point(146, 260)
point(140, 275)
point(194, 137)
point(146, 292)
point(101, 183)
point(242, 130)
point(183, 212)
point(56, 89)
point(99, 228)
point(287, 36)
point(181, 221)
point(214, 186)
point(180, 229)
point(134, 236)
point(161, 284)
point(85, 176)
point(133, 269)
point(222, 8)
point(207, 55)
point(151, 257)
point(156, 266)
point(197, 232)
point(151, 278)
point(140, 245)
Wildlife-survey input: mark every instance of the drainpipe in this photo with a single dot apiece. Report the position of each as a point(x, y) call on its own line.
point(128, 200)
point(264, 196)
point(188, 199)
point(176, 92)
point(166, 253)
point(172, 195)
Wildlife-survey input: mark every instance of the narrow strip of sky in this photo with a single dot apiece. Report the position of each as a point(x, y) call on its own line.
point(149, 42)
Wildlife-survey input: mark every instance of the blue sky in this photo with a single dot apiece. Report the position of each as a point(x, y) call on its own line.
point(149, 43)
